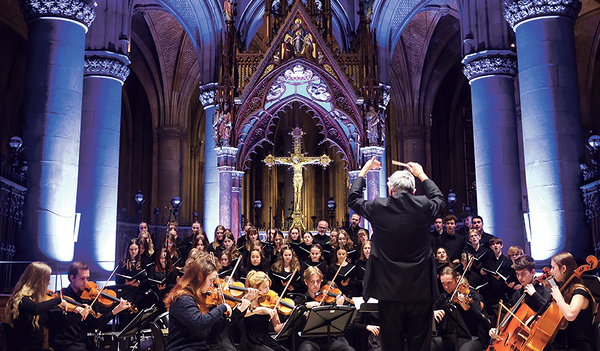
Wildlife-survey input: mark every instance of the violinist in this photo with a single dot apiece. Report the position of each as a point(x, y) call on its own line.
point(537, 295)
point(461, 324)
point(575, 302)
point(70, 331)
point(191, 324)
point(316, 259)
point(27, 310)
point(256, 319)
point(313, 279)
point(346, 278)
point(282, 270)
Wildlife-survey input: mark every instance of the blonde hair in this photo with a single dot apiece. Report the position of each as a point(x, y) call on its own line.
point(255, 278)
point(34, 284)
point(312, 270)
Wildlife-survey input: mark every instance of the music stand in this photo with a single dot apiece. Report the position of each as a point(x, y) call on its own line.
point(328, 321)
point(141, 320)
point(290, 325)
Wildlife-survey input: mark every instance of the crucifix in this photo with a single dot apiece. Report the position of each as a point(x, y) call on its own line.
point(297, 160)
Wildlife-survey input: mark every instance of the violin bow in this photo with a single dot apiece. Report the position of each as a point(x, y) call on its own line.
point(220, 287)
point(239, 259)
point(104, 286)
point(461, 278)
point(329, 287)
point(284, 289)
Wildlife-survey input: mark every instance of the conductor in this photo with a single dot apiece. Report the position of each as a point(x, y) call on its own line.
point(400, 270)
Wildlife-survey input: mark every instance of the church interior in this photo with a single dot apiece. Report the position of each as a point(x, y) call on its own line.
point(180, 103)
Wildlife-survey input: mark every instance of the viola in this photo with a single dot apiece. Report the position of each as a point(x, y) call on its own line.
point(105, 297)
point(71, 304)
point(330, 294)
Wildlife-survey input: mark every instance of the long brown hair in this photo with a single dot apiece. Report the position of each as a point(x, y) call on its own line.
point(278, 266)
point(34, 284)
point(567, 260)
point(191, 283)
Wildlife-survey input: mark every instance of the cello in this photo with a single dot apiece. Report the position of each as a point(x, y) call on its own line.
point(544, 329)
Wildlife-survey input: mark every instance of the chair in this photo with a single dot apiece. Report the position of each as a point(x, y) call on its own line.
point(158, 339)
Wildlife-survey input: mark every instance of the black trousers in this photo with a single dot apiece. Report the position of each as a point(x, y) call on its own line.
point(405, 323)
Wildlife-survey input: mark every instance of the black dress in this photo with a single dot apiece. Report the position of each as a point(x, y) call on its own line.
point(256, 337)
point(25, 336)
point(580, 332)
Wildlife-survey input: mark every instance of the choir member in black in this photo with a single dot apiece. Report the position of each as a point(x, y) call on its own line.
point(315, 259)
point(251, 236)
point(477, 224)
point(200, 243)
point(293, 239)
point(452, 241)
point(227, 264)
point(304, 248)
point(313, 279)
point(363, 236)
point(461, 324)
point(217, 243)
point(274, 250)
point(282, 270)
point(575, 302)
point(514, 252)
point(255, 262)
point(256, 319)
point(499, 272)
point(241, 241)
point(333, 238)
point(130, 267)
point(536, 295)
point(321, 236)
point(361, 264)
point(191, 324)
point(475, 248)
point(174, 252)
point(146, 253)
point(230, 245)
point(347, 243)
point(346, 278)
point(28, 307)
point(162, 276)
point(196, 233)
point(442, 259)
point(354, 227)
point(69, 332)
point(472, 276)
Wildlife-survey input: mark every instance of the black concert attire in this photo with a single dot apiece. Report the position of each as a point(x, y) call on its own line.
point(263, 267)
point(496, 289)
point(367, 340)
point(353, 232)
point(256, 337)
point(466, 329)
point(278, 279)
point(454, 245)
point(68, 331)
point(347, 273)
point(320, 343)
point(323, 240)
point(580, 332)
point(156, 279)
point(322, 265)
point(401, 277)
point(190, 329)
point(25, 336)
point(485, 239)
point(537, 301)
point(480, 256)
point(361, 268)
point(303, 252)
point(295, 245)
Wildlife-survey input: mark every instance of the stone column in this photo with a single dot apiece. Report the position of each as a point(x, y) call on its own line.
point(52, 106)
point(352, 175)
point(373, 179)
point(552, 139)
point(169, 163)
point(226, 165)
point(211, 173)
point(385, 99)
point(491, 75)
point(104, 75)
point(236, 202)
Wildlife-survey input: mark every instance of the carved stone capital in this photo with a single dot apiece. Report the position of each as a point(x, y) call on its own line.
point(490, 62)
point(81, 11)
point(516, 11)
point(105, 63)
point(208, 94)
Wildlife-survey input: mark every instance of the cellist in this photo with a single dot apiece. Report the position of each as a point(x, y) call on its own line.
point(537, 296)
point(576, 304)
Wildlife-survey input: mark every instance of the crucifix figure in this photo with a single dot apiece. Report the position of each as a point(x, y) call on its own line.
point(297, 160)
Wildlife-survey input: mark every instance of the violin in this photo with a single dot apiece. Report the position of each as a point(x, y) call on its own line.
point(272, 300)
point(105, 297)
point(213, 298)
point(461, 294)
point(329, 294)
point(71, 304)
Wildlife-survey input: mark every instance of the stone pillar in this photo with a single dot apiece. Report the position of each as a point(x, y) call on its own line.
point(226, 165)
point(352, 175)
point(211, 173)
point(552, 140)
point(104, 75)
point(491, 75)
point(52, 106)
point(236, 202)
point(169, 164)
point(373, 179)
point(385, 99)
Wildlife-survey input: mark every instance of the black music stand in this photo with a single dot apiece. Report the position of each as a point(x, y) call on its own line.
point(291, 325)
point(139, 322)
point(328, 321)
